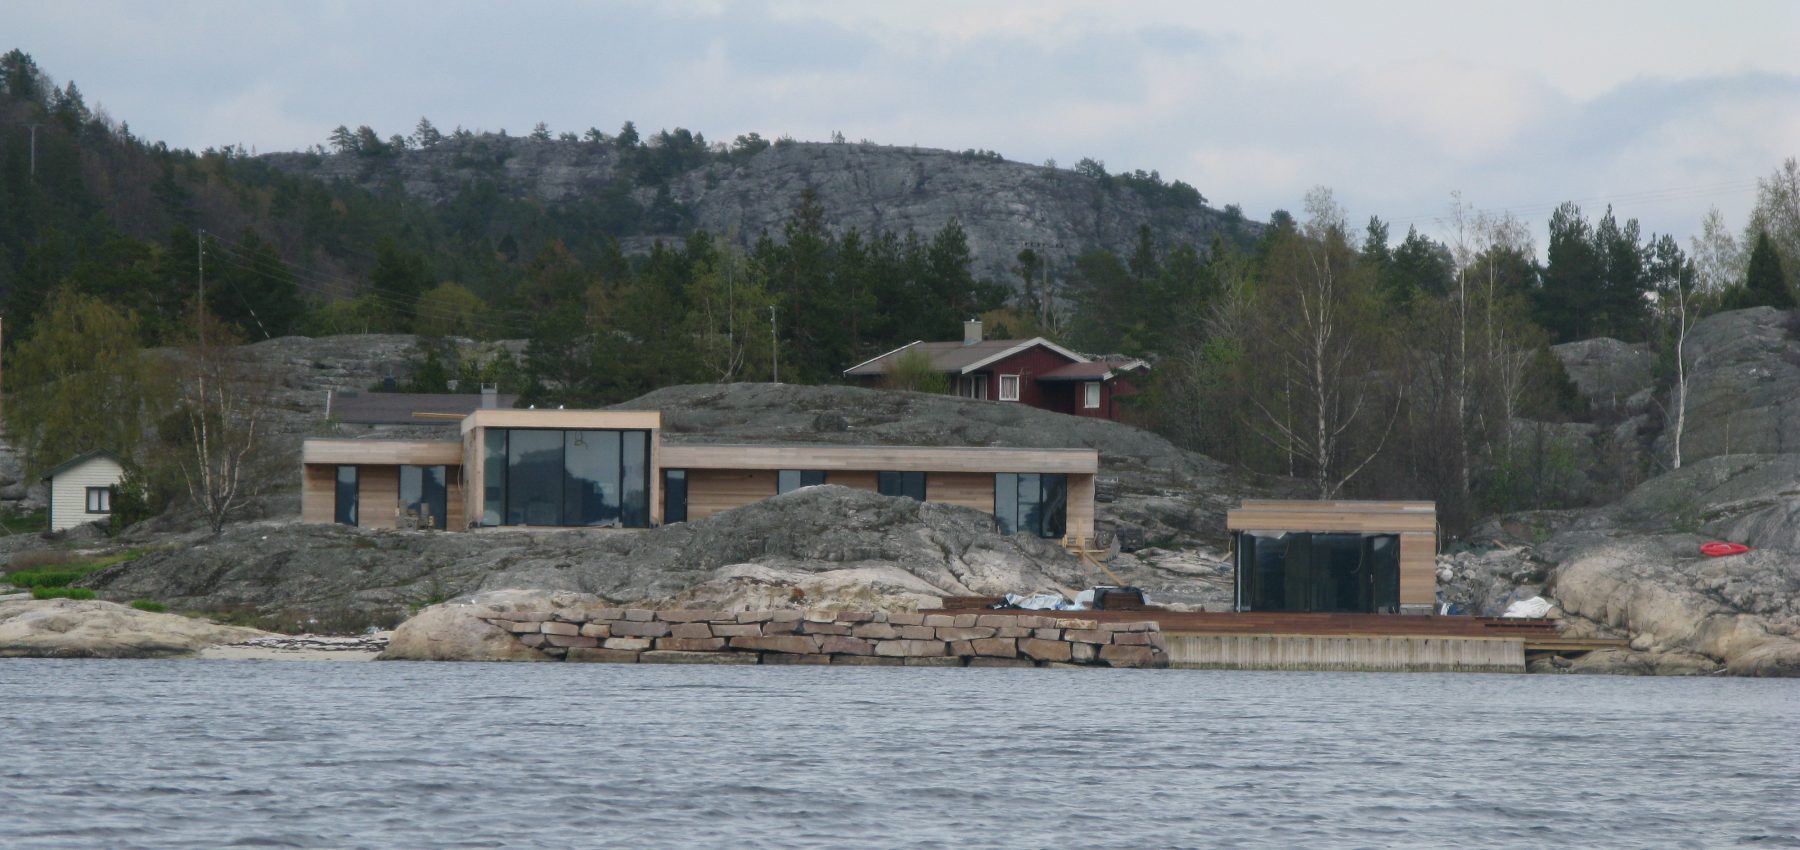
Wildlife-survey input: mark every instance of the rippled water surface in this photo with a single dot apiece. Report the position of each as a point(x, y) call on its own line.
point(199, 754)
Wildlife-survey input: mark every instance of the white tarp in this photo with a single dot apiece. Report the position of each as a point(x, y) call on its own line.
point(1536, 606)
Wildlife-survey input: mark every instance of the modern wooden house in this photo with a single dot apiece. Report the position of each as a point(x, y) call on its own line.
point(611, 468)
point(1335, 556)
point(81, 488)
point(1034, 372)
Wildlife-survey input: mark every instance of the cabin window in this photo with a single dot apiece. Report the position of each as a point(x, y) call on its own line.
point(423, 493)
point(908, 484)
point(345, 513)
point(973, 386)
point(1090, 395)
point(1009, 387)
point(674, 495)
point(1036, 503)
point(789, 480)
point(99, 500)
point(1299, 571)
point(586, 477)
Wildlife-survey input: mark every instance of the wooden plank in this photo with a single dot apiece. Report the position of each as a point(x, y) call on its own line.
point(1329, 520)
point(377, 496)
point(1080, 522)
point(968, 489)
point(318, 493)
point(631, 420)
point(711, 491)
point(454, 496)
point(416, 452)
point(860, 479)
point(884, 458)
point(1418, 569)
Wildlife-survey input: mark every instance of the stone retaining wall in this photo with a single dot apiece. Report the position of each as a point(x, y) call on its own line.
point(637, 635)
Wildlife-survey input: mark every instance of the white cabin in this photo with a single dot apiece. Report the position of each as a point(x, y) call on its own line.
point(81, 488)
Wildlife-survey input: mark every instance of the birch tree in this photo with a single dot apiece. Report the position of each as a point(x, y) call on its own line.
point(223, 404)
point(1319, 333)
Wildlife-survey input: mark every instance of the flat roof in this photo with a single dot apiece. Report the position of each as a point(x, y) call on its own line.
point(877, 457)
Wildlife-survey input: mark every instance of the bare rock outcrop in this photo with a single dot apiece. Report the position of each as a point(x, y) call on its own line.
point(69, 628)
point(1609, 373)
point(1744, 386)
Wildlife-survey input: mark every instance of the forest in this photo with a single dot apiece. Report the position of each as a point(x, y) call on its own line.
point(1364, 362)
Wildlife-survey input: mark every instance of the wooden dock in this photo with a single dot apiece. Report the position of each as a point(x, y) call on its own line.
point(1377, 642)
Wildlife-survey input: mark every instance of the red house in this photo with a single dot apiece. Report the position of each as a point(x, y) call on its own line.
point(1034, 372)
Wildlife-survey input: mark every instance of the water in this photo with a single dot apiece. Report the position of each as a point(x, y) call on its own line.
point(204, 754)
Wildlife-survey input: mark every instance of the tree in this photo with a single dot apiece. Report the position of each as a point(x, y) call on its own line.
point(1673, 276)
point(1765, 285)
point(1777, 214)
point(450, 309)
point(628, 137)
point(223, 403)
point(541, 132)
point(426, 136)
point(1321, 345)
point(79, 382)
point(398, 279)
point(913, 371)
point(1567, 301)
point(1718, 259)
point(344, 141)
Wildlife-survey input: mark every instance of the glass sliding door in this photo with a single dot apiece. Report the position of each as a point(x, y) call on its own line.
point(634, 479)
point(590, 478)
point(424, 494)
point(493, 477)
point(789, 480)
point(1031, 502)
point(908, 484)
point(534, 477)
point(1301, 571)
point(346, 507)
point(674, 495)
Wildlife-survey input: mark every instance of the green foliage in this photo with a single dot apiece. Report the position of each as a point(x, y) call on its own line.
point(15, 521)
point(1765, 285)
point(80, 383)
point(139, 496)
point(149, 605)
point(912, 370)
point(450, 309)
point(61, 593)
point(66, 572)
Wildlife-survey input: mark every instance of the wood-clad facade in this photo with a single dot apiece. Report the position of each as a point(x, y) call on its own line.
point(527, 467)
point(1343, 556)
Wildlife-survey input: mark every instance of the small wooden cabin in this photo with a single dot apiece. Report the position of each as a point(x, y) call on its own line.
point(81, 488)
point(1335, 556)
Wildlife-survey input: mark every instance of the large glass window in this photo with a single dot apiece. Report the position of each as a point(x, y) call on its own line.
point(346, 495)
point(423, 493)
point(674, 495)
point(908, 484)
point(1300, 571)
point(789, 480)
point(586, 477)
point(1031, 502)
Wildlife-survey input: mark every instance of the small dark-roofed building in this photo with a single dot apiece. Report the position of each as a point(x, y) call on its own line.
point(1035, 372)
point(365, 408)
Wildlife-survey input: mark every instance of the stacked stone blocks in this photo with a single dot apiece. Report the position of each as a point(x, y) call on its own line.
point(857, 638)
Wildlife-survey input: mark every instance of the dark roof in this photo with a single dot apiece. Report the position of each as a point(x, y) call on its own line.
point(1090, 371)
point(398, 408)
point(954, 357)
point(79, 459)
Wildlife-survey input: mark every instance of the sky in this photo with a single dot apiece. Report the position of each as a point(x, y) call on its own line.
point(1661, 109)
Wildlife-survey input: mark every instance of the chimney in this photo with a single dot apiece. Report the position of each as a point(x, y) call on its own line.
point(971, 331)
point(490, 396)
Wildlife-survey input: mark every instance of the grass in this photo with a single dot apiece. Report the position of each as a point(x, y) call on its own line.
point(14, 522)
point(59, 569)
point(61, 593)
point(150, 605)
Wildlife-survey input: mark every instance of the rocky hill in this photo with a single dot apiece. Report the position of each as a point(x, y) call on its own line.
point(1004, 206)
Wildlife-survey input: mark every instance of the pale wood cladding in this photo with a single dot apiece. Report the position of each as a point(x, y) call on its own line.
point(711, 491)
point(1364, 521)
point(908, 458)
point(968, 489)
point(854, 478)
point(1418, 569)
point(377, 496)
point(318, 493)
point(1080, 522)
point(352, 452)
point(624, 420)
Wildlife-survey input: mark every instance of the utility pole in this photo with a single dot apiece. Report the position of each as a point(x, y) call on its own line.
point(200, 306)
point(34, 150)
point(774, 348)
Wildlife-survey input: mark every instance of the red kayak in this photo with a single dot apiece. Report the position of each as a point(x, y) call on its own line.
point(1719, 549)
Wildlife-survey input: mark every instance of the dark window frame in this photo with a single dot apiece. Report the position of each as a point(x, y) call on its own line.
point(632, 488)
point(351, 507)
point(104, 502)
point(675, 507)
point(789, 480)
point(899, 483)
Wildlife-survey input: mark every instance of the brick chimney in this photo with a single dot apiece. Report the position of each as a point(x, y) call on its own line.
point(971, 331)
point(490, 396)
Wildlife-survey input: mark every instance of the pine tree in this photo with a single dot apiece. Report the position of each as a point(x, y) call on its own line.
point(1764, 283)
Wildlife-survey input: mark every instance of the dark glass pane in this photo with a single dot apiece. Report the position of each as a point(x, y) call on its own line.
point(346, 495)
point(1297, 585)
point(1339, 577)
point(591, 477)
point(435, 493)
point(493, 478)
point(812, 477)
point(912, 485)
point(888, 483)
point(1006, 502)
point(1384, 558)
point(411, 489)
point(634, 479)
point(534, 477)
point(1268, 577)
point(674, 495)
point(787, 481)
point(1055, 505)
point(1030, 504)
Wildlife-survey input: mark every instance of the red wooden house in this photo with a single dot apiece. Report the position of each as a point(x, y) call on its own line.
point(1034, 372)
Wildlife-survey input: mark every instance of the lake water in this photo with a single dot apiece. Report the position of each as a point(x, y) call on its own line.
point(205, 754)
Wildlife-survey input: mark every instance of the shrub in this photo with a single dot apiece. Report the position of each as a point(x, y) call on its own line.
point(913, 371)
point(150, 605)
point(61, 593)
point(41, 558)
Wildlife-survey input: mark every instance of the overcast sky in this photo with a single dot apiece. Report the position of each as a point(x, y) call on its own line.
point(1660, 108)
